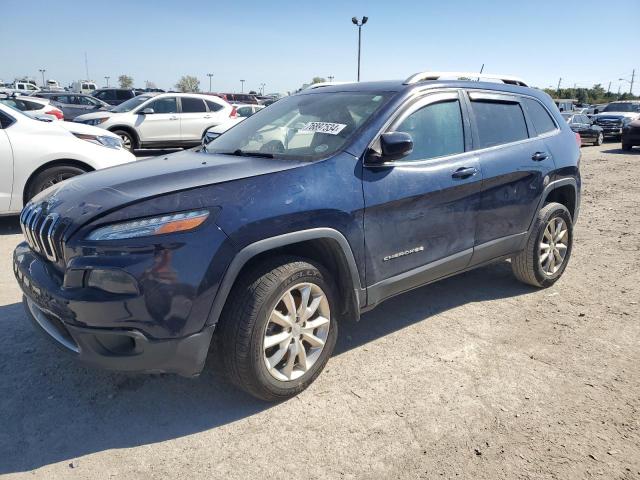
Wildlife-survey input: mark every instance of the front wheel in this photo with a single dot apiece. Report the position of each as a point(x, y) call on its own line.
point(548, 248)
point(279, 328)
point(600, 139)
point(50, 177)
point(128, 141)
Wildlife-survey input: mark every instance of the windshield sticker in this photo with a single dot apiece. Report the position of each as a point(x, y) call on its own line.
point(323, 127)
point(321, 148)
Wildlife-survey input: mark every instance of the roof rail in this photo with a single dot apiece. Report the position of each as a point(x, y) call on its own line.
point(424, 76)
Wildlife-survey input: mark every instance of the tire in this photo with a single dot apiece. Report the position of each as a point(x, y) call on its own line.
point(627, 147)
point(527, 265)
point(129, 142)
point(246, 324)
point(599, 139)
point(51, 176)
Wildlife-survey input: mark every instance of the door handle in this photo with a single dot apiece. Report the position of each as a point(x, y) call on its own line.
point(539, 156)
point(173, 118)
point(464, 172)
point(207, 116)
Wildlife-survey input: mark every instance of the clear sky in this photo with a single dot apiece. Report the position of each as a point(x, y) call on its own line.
point(286, 43)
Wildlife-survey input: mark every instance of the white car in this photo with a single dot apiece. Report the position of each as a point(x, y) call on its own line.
point(242, 110)
point(35, 155)
point(162, 120)
point(33, 107)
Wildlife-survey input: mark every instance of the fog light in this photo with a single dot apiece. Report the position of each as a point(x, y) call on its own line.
point(113, 281)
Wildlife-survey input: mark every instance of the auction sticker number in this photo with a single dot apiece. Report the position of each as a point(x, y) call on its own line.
point(323, 127)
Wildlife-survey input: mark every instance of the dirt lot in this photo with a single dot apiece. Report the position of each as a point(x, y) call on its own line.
point(474, 377)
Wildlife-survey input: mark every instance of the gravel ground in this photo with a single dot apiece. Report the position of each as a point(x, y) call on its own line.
point(475, 377)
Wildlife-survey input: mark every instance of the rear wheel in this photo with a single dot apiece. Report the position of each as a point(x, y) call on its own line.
point(128, 140)
point(548, 248)
point(50, 177)
point(278, 328)
point(626, 147)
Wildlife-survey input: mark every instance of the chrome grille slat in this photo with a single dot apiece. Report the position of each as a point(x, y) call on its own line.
point(39, 230)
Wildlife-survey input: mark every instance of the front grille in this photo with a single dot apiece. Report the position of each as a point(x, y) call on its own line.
point(41, 230)
point(609, 122)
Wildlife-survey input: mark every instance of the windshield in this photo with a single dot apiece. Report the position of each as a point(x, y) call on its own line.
point(131, 103)
point(303, 127)
point(622, 107)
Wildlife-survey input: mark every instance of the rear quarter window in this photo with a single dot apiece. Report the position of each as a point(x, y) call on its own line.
point(498, 122)
point(542, 121)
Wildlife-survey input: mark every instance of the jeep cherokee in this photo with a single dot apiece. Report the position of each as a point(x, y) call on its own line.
point(306, 214)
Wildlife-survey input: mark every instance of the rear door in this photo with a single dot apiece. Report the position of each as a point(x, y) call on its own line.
point(161, 126)
point(194, 118)
point(515, 161)
point(68, 107)
point(420, 211)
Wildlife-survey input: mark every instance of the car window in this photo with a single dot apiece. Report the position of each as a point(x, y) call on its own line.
point(124, 94)
point(5, 120)
point(245, 111)
point(193, 105)
point(31, 105)
point(301, 127)
point(498, 122)
point(436, 130)
point(586, 120)
point(213, 106)
point(164, 105)
point(539, 116)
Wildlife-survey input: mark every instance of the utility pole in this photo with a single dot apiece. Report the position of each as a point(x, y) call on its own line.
point(107, 79)
point(42, 70)
point(210, 75)
point(86, 65)
point(559, 82)
point(242, 86)
point(609, 89)
point(262, 88)
point(633, 77)
point(330, 77)
point(359, 24)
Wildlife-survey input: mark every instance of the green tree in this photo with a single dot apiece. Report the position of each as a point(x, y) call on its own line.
point(188, 83)
point(318, 80)
point(125, 81)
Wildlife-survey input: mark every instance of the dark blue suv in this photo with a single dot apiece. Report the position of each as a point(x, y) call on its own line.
point(308, 213)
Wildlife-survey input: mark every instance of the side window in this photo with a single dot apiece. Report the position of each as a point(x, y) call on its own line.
point(124, 94)
point(498, 122)
point(192, 105)
point(436, 130)
point(245, 111)
point(541, 119)
point(164, 105)
point(213, 106)
point(5, 120)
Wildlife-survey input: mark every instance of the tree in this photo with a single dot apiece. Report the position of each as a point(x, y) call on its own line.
point(125, 81)
point(318, 80)
point(188, 83)
point(149, 84)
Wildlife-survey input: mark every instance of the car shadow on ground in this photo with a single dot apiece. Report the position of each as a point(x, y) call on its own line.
point(619, 151)
point(9, 225)
point(55, 410)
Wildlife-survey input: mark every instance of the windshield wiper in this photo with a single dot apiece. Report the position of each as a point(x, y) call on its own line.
point(242, 153)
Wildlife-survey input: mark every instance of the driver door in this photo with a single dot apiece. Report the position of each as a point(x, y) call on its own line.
point(420, 211)
point(161, 126)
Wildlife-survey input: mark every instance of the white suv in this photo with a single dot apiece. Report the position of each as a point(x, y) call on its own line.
point(162, 120)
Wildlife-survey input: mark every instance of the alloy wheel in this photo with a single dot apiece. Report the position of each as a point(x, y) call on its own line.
point(296, 332)
point(126, 141)
point(553, 246)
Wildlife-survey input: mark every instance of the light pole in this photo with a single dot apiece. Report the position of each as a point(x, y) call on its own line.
point(241, 86)
point(262, 88)
point(107, 77)
point(42, 70)
point(210, 75)
point(330, 77)
point(630, 82)
point(359, 24)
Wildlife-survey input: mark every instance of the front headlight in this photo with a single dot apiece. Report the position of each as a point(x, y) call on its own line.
point(95, 121)
point(104, 140)
point(144, 227)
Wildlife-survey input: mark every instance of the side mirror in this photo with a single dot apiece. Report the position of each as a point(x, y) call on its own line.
point(147, 111)
point(209, 137)
point(393, 146)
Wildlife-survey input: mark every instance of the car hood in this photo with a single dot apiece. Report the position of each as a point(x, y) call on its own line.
point(86, 129)
point(93, 115)
point(618, 115)
point(82, 198)
point(223, 127)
